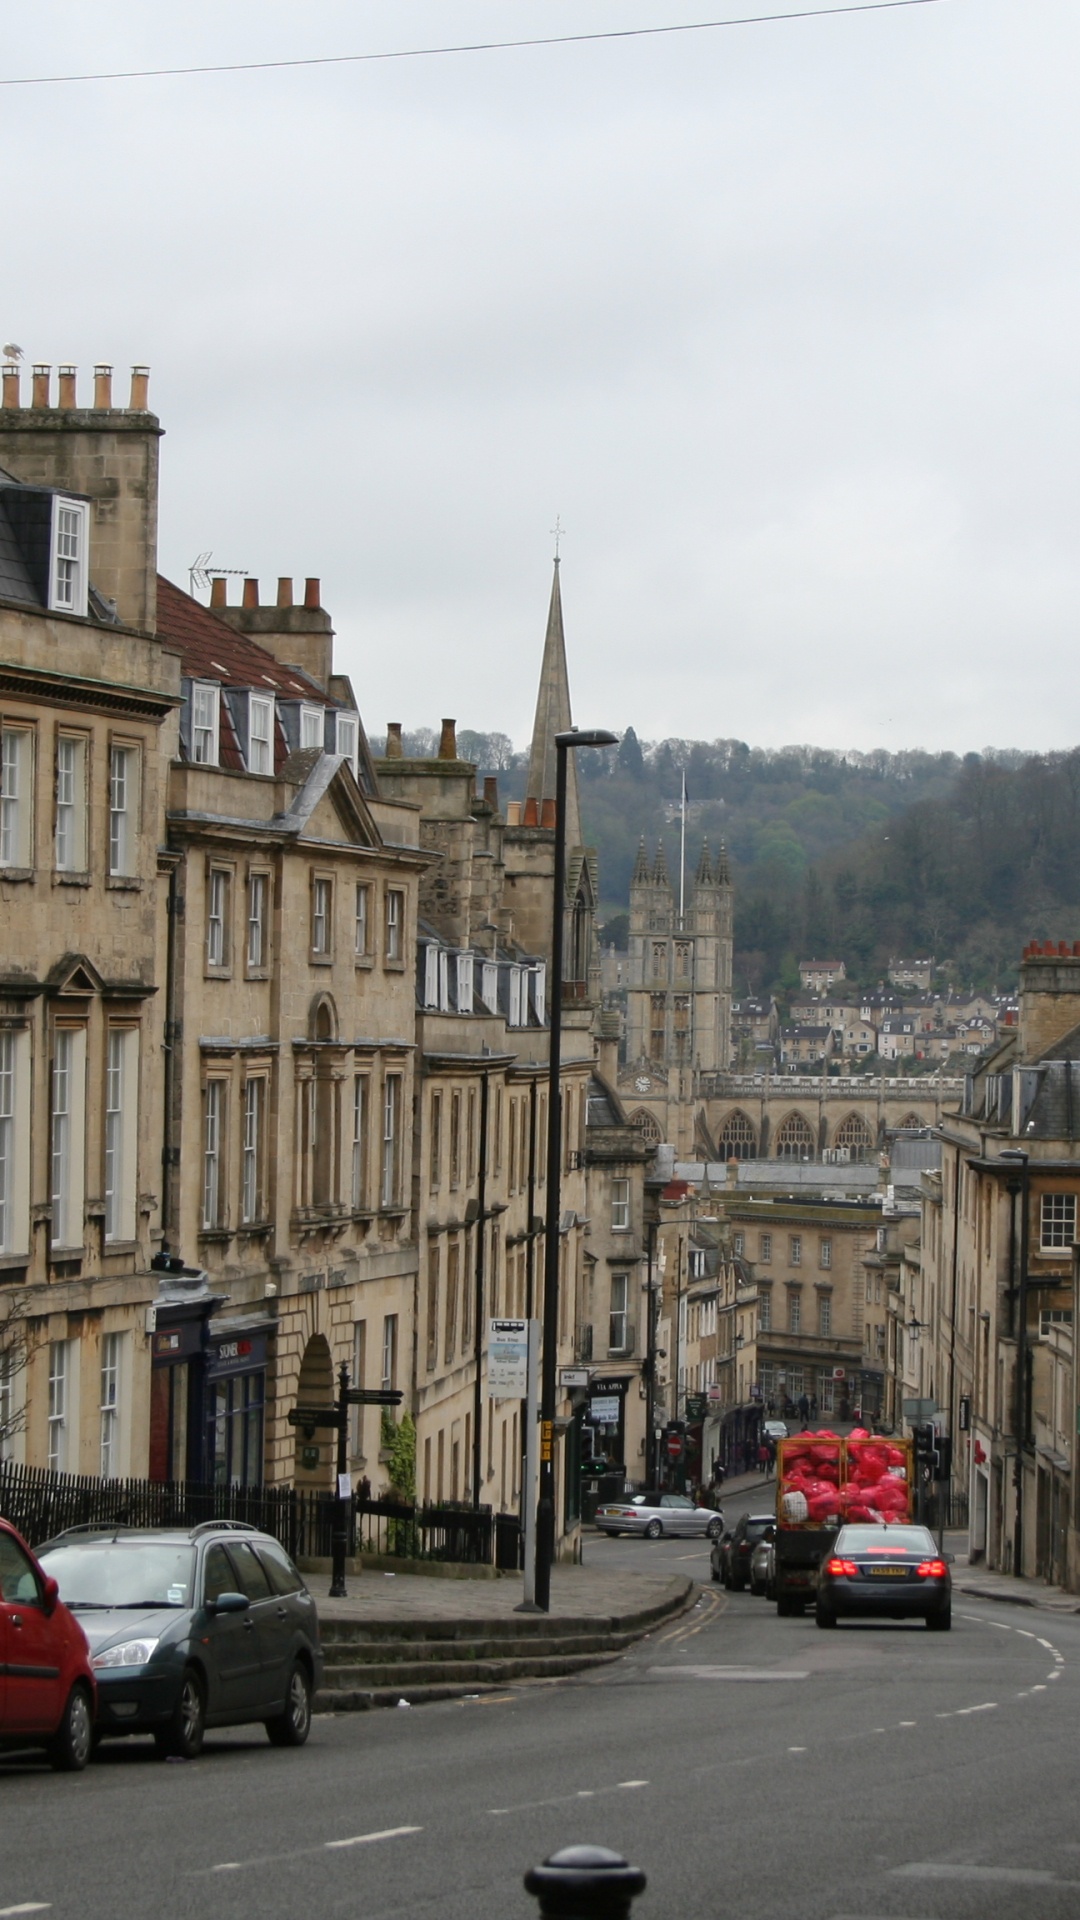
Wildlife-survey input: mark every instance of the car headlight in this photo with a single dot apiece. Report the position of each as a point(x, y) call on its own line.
point(129, 1653)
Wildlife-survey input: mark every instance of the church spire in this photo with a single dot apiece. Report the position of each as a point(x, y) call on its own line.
point(660, 872)
point(704, 875)
point(552, 717)
point(640, 876)
point(722, 874)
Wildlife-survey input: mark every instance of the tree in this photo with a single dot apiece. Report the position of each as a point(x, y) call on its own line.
point(630, 759)
point(14, 1357)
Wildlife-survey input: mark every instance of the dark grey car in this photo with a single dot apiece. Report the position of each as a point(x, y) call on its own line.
point(190, 1628)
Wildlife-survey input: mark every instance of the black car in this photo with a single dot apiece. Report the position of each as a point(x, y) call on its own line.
point(885, 1571)
point(730, 1557)
point(190, 1628)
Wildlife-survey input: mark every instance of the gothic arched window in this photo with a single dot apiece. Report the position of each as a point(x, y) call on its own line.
point(795, 1139)
point(738, 1141)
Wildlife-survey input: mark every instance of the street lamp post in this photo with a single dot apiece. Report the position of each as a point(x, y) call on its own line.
point(1017, 1156)
point(545, 1514)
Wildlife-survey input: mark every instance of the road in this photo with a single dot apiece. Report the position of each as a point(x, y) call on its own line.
point(751, 1765)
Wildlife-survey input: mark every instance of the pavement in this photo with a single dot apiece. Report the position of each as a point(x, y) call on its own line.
point(981, 1583)
point(577, 1593)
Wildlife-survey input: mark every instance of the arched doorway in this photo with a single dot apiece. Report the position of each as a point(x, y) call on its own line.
point(315, 1453)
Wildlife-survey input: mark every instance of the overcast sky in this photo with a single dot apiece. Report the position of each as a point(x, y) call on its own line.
point(781, 320)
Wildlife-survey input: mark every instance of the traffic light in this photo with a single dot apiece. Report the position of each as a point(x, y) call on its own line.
point(926, 1448)
point(943, 1470)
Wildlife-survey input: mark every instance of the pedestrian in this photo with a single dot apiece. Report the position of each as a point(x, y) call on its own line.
point(718, 1474)
point(813, 1406)
point(764, 1462)
point(804, 1411)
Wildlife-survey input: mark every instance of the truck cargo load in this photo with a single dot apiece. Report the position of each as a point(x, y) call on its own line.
point(822, 1481)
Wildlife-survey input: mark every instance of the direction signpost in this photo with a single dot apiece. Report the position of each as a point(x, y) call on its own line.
point(309, 1420)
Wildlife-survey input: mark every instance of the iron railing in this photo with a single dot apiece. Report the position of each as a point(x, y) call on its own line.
point(42, 1503)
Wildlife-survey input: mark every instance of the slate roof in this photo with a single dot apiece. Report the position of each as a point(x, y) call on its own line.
point(15, 581)
point(210, 649)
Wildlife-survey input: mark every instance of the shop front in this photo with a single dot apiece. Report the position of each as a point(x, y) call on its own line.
point(236, 1401)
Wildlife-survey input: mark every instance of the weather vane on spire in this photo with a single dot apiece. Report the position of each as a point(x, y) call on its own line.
point(558, 530)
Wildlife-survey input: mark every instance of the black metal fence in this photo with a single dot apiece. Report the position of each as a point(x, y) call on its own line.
point(41, 1504)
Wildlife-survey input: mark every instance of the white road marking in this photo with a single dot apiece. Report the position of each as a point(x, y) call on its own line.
point(949, 1870)
point(1039, 1689)
point(27, 1906)
point(568, 1799)
point(226, 1866)
point(1049, 1645)
point(796, 1749)
point(907, 1723)
point(1024, 1634)
point(727, 1673)
point(985, 1707)
point(365, 1839)
point(625, 1785)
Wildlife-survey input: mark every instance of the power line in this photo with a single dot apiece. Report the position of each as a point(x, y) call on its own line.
point(478, 46)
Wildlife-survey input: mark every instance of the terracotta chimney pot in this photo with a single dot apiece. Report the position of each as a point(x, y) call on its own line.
point(251, 593)
point(11, 385)
point(531, 815)
point(140, 382)
point(103, 387)
point(219, 594)
point(547, 814)
point(312, 595)
point(448, 740)
point(393, 740)
point(40, 386)
point(284, 593)
point(491, 792)
point(67, 387)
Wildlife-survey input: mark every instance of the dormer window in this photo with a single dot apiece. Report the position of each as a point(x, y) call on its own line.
point(205, 705)
point(347, 737)
point(260, 733)
point(312, 727)
point(70, 539)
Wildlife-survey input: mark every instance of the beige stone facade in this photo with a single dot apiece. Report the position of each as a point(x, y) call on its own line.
point(88, 704)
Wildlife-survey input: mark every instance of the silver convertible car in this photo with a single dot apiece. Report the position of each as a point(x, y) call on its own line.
point(654, 1514)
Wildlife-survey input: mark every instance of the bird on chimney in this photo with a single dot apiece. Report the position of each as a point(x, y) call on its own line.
point(12, 352)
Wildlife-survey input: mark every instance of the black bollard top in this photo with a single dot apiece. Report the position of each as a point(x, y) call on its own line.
point(585, 1883)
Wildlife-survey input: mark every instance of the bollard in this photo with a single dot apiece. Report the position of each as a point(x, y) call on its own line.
point(585, 1883)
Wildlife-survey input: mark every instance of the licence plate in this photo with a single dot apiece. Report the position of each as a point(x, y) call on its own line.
point(887, 1573)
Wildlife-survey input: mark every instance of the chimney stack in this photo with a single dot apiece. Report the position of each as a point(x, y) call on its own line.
point(219, 591)
point(393, 741)
point(40, 386)
point(530, 817)
point(67, 387)
point(103, 388)
point(251, 593)
point(140, 384)
point(11, 385)
point(284, 592)
point(448, 741)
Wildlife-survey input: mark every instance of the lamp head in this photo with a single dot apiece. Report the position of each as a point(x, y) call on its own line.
point(591, 737)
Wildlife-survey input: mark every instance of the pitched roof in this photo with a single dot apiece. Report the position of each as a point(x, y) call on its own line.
point(212, 650)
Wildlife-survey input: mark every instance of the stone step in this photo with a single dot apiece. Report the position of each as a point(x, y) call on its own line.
point(389, 1673)
point(480, 1645)
point(514, 1626)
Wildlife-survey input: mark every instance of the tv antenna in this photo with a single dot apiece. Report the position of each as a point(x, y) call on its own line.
point(200, 573)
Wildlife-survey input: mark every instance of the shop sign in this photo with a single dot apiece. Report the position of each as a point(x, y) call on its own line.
point(619, 1384)
point(169, 1345)
point(604, 1410)
point(241, 1353)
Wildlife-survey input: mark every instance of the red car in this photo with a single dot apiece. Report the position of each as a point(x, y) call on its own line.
point(47, 1692)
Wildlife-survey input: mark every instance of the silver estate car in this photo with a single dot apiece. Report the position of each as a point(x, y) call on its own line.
point(654, 1514)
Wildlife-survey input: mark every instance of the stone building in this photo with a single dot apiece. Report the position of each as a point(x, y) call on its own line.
point(88, 704)
point(678, 972)
point(997, 1296)
point(291, 1067)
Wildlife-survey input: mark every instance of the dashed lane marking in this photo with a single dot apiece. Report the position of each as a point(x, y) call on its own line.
point(26, 1906)
point(304, 1853)
point(960, 1870)
point(365, 1839)
point(727, 1673)
point(567, 1799)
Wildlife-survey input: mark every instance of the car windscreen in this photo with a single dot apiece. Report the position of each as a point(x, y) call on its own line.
point(122, 1573)
point(885, 1540)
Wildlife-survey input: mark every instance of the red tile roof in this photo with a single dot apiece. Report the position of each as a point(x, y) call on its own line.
point(210, 649)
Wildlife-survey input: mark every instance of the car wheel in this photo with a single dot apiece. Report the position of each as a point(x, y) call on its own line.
point(737, 1586)
point(182, 1739)
point(654, 1530)
point(940, 1622)
point(72, 1743)
point(823, 1617)
point(714, 1529)
point(291, 1728)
